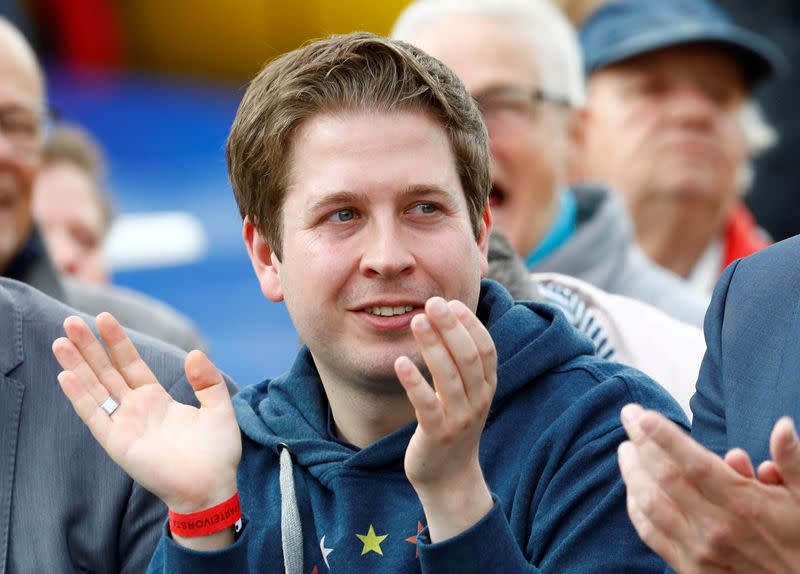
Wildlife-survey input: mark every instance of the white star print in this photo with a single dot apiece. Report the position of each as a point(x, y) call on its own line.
point(325, 552)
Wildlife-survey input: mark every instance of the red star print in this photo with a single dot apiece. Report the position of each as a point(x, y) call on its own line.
point(413, 539)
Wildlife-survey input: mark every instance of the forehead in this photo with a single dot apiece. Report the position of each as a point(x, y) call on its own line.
point(377, 154)
point(484, 51)
point(20, 79)
point(65, 189)
point(700, 60)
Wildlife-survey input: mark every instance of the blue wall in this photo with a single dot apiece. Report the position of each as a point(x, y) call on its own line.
point(165, 144)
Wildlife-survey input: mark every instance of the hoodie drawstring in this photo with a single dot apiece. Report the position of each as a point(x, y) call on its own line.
point(291, 527)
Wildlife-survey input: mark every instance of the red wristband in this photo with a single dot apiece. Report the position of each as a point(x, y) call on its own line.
point(207, 521)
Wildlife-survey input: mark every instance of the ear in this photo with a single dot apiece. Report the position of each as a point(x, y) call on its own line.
point(265, 263)
point(578, 125)
point(483, 239)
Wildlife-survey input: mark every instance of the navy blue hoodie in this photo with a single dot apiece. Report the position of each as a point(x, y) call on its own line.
point(548, 454)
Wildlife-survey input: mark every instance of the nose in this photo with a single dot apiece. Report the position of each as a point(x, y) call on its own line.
point(692, 105)
point(386, 253)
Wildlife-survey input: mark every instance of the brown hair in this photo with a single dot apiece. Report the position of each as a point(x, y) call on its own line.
point(357, 71)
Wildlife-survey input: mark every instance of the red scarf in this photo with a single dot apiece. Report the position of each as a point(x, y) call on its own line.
point(742, 235)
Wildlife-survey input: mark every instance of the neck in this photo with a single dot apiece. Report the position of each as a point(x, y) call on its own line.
point(362, 417)
point(675, 235)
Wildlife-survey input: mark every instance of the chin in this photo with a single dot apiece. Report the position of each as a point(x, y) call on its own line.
point(375, 366)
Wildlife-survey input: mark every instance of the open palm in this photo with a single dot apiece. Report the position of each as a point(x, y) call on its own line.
point(184, 455)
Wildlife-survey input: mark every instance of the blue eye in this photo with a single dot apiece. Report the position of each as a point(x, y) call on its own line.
point(342, 215)
point(426, 208)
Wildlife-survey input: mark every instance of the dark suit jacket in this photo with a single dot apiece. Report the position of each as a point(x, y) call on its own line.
point(65, 506)
point(750, 375)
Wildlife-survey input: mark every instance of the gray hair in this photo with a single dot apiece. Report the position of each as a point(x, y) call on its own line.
point(555, 42)
point(506, 267)
point(759, 136)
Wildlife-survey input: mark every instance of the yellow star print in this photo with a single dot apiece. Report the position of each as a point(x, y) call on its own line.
point(372, 542)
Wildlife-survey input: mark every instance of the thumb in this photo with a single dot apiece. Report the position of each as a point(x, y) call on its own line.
point(206, 380)
point(785, 449)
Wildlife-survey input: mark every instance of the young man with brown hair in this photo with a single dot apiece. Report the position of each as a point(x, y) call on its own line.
point(361, 169)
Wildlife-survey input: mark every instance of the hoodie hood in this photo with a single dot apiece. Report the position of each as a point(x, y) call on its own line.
point(292, 410)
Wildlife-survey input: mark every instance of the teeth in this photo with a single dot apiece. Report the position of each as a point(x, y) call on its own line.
point(389, 311)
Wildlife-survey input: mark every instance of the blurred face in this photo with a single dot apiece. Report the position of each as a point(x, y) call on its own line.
point(20, 141)
point(663, 127)
point(529, 138)
point(65, 206)
point(375, 223)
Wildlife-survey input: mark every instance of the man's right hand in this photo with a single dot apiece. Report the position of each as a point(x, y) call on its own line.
point(703, 514)
point(184, 455)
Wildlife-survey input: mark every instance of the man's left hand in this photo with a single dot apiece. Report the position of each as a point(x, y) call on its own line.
point(442, 457)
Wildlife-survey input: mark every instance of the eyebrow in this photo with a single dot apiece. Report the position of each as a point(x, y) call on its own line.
point(349, 197)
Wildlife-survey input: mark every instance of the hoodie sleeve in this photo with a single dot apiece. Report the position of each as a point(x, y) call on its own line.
point(585, 528)
point(173, 558)
point(577, 520)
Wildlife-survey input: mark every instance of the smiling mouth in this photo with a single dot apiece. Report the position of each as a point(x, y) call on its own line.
point(389, 311)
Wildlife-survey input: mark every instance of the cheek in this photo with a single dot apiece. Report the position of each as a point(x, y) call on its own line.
point(315, 262)
point(735, 147)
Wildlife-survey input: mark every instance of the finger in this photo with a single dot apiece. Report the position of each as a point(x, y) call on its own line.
point(123, 352)
point(94, 417)
point(670, 475)
point(768, 474)
point(785, 450)
point(427, 406)
point(206, 381)
point(70, 359)
point(655, 538)
point(460, 345)
point(446, 379)
point(630, 415)
point(483, 341)
point(646, 494)
point(739, 461)
point(705, 470)
point(95, 357)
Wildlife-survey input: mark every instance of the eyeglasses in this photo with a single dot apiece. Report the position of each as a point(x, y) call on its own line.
point(25, 128)
point(503, 105)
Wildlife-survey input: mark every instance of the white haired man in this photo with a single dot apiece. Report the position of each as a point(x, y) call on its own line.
point(672, 126)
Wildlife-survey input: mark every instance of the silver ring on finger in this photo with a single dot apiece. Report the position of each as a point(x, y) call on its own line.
point(109, 405)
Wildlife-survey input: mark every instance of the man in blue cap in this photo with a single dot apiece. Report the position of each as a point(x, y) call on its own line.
point(671, 125)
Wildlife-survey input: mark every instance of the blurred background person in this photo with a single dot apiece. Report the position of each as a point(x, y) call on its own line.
point(672, 126)
point(23, 255)
point(521, 61)
point(71, 204)
point(622, 329)
point(773, 196)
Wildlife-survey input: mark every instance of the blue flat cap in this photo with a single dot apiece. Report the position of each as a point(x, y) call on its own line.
point(623, 29)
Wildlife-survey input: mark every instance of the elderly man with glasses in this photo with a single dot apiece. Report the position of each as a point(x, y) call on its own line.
point(521, 61)
point(23, 256)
